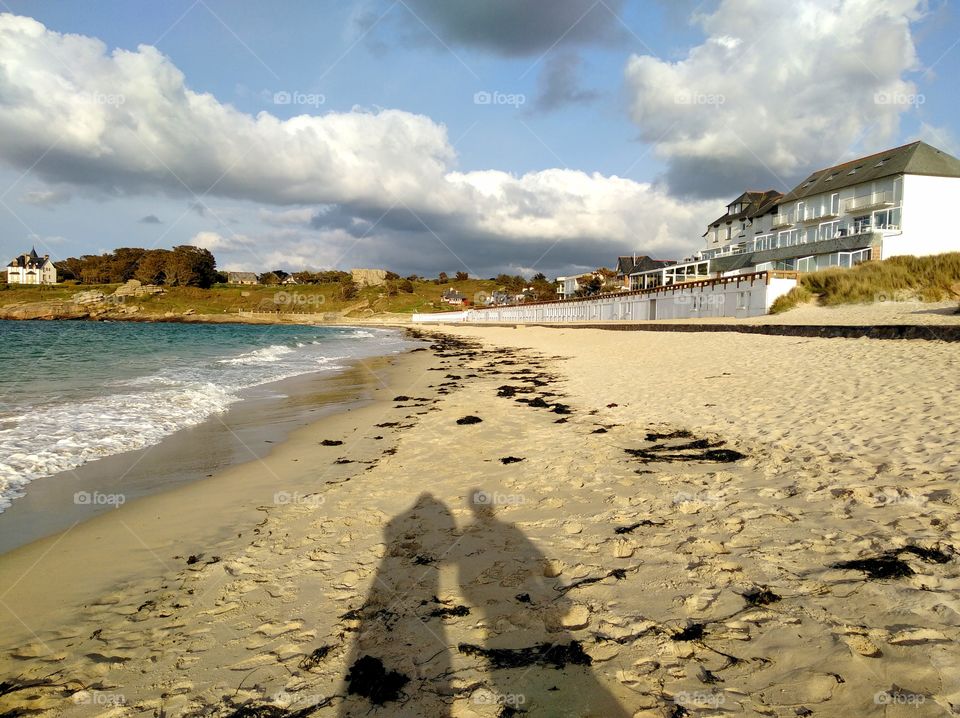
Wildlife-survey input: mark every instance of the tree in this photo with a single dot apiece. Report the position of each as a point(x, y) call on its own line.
point(152, 268)
point(442, 278)
point(590, 284)
point(68, 268)
point(348, 288)
point(514, 283)
point(543, 289)
point(189, 266)
point(392, 275)
point(406, 286)
point(122, 264)
point(392, 289)
point(462, 276)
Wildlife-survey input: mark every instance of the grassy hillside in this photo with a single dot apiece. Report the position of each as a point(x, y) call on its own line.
point(288, 299)
point(929, 279)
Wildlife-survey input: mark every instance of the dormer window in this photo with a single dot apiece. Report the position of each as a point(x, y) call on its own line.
point(882, 162)
point(832, 175)
point(854, 170)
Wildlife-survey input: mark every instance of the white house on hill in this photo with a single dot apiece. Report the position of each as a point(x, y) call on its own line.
point(31, 269)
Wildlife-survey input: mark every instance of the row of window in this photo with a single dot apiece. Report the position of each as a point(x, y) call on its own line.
point(881, 219)
point(818, 262)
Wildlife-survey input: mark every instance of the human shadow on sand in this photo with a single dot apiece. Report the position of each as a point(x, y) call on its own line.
point(535, 666)
point(401, 661)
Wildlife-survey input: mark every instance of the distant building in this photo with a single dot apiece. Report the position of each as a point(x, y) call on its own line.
point(627, 266)
point(567, 286)
point(452, 296)
point(369, 277)
point(241, 278)
point(31, 269)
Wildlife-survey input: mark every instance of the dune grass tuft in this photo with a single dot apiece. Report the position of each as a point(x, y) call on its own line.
point(929, 279)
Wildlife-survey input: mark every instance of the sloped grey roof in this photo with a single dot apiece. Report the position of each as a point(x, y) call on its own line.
point(28, 259)
point(917, 158)
point(641, 263)
point(757, 203)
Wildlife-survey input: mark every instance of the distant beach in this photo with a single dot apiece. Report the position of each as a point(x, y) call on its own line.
point(699, 523)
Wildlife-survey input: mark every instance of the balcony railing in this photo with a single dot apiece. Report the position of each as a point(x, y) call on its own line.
point(823, 217)
point(783, 220)
point(870, 201)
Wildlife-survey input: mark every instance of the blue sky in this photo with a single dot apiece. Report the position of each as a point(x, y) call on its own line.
point(624, 125)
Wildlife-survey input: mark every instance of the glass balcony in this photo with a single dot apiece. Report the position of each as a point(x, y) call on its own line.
point(868, 202)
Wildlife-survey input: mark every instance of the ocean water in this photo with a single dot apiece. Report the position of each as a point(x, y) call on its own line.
point(73, 392)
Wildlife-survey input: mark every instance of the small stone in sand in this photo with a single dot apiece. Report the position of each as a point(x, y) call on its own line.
point(552, 569)
point(863, 645)
point(578, 617)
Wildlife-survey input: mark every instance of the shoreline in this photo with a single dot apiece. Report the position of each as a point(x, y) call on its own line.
point(682, 535)
point(264, 416)
point(157, 529)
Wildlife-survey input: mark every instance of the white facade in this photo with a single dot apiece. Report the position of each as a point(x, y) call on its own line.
point(929, 207)
point(567, 287)
point(741, 296)
point(31, 269)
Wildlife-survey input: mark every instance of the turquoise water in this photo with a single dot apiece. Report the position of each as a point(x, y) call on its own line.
point(72, 392)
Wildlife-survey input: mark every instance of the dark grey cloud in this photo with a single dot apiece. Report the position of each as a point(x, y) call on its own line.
point(150, 219)
point(424, 244)
point(517, 27)
point(724, 178)
point(559, 83)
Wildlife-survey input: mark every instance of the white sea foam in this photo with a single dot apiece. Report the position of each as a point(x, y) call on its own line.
point(46, 437)
point(60, 437)
point(261, 356)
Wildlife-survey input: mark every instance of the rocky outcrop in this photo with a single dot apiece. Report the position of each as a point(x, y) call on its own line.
point(44, 310)
point(86, 298)
point(369, 277)
point(86, 308)
point(134, 288)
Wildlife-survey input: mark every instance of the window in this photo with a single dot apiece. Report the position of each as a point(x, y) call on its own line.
point(743, 300)
point(854, 170)
point(835, 203)
point(801, 211)
point(832, 175)
point(887, 219)
point(861, 224)
point(828, 230)
point(861, 255)
point(882, 162)
point(807, 264)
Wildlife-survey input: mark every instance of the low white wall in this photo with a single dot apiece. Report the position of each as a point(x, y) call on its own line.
point(745, 296)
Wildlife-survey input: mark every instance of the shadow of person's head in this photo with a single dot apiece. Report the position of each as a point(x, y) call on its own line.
point(427, 526)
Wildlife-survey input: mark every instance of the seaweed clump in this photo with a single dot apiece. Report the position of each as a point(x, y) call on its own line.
point(551, 655)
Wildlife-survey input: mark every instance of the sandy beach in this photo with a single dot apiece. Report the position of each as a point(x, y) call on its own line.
point(536, 521)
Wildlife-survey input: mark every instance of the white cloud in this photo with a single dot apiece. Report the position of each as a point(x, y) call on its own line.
point(776, 89)
point(46, 197)
point(216, 241)
point(126, 122)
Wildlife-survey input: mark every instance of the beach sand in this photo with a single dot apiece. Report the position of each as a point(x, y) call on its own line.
point(639, 524)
